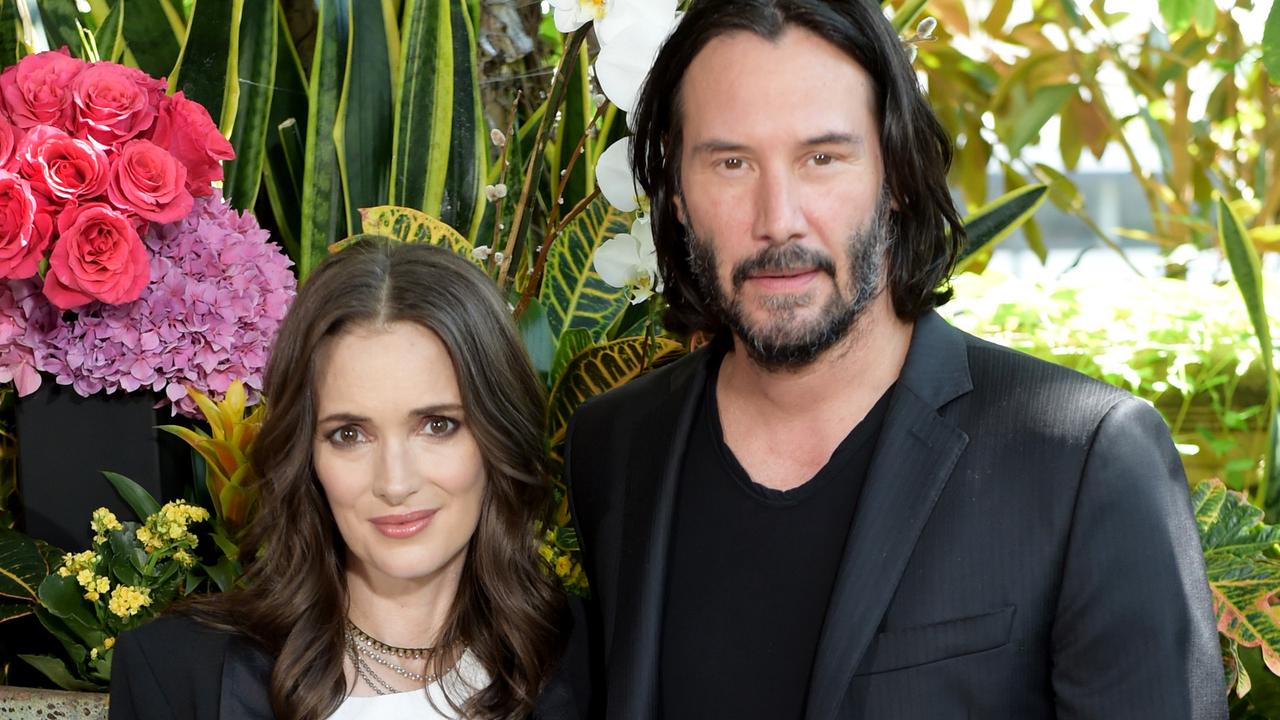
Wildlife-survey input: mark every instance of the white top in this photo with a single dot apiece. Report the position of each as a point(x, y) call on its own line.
point(464, 680)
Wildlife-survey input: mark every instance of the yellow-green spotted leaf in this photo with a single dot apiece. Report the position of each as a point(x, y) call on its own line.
point(411, 226)
point(1244, 575)
point(601, 368)
point(573, 294)
point(22, 567)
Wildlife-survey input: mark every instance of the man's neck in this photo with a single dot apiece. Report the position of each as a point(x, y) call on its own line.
point(852, 374)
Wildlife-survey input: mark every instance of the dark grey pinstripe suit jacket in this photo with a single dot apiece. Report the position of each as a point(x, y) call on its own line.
point(1024, 548)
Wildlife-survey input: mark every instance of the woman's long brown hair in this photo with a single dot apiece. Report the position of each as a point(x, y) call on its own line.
point(293, 598)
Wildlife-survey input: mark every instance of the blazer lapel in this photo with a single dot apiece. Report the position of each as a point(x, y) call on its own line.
point(246, 677)
point(652, 473)
point(917, 451)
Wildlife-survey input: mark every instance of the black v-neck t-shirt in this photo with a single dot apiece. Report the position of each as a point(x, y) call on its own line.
point(751, 573)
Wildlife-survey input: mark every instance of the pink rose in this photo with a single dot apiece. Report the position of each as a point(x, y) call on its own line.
point(115, 103)
point(147, 180)
point(9, 136)
point(24, 229)
point(98, 256)
point(185, 129)
point(62, 167)
point(37, 91)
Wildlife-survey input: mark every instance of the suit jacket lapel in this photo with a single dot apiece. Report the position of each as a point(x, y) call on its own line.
point(916, 453)
point(652, 473)
point(246, 677)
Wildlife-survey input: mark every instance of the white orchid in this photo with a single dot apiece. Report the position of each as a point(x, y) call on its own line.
point(629, 260)
point(616, 178)
point(622, 66)
point(611, 17)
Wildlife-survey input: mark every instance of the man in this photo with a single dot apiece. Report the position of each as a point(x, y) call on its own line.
point(843, 507)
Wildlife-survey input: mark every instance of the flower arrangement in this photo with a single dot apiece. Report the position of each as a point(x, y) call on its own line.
point(107, 184)
point(131, 573)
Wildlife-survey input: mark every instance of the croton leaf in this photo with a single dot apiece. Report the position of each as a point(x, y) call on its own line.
point(411, 226)
point(573, 293)
point(1244, 574)
point(601, 368)
point(22, 566)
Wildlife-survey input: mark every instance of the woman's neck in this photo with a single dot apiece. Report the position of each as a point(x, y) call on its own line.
point(403, 612)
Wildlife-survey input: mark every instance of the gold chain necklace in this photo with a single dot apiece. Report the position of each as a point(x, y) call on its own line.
point(361, 645)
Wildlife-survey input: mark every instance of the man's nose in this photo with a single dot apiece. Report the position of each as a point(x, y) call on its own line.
point(779, 209)
point(396, 478)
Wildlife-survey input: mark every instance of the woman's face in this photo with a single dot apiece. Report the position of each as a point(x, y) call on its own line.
point(402, 472)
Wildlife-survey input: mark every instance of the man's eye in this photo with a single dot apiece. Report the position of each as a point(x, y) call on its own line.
point(439, 426)
point(732, 164)
point(822, 159)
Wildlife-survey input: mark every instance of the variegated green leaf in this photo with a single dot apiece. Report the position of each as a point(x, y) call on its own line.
point(323, 220)
point(438, 157)
point(573, 294)
point(365, 114)
point(22, 567)
point(13, 611)
point(572, 342)
point(412, 226)
point(996, 220)
point(209, 58)
point(110, 35)
point(258, 48)
point(1244, 574)
point(601, 368)
point(153, 35)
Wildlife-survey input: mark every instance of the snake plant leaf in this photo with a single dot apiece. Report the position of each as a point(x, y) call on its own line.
point(22, 567)
point(411, 226)
point(110, 34)
point(258, 48)
point(10, 34)
point(153, 35)
point(323, 220)
point(601, 368)
point(1244, 573)
point(1247, 271)
point(437, 151)
point(573, 293)
point(59, 18)
point(210, 58)
point(996, 220)
point(364, 122)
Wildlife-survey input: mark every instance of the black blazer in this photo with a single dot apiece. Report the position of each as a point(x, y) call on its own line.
point(174, 668)
point(1024, 547)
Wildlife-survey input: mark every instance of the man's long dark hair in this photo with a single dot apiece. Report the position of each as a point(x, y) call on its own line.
point(293, 599)
point(915, 147)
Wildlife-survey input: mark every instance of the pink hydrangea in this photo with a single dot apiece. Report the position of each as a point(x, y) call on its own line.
point(218, 291)
point(25, 320)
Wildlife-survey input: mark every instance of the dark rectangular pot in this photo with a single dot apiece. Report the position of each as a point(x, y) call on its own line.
point(65, 441)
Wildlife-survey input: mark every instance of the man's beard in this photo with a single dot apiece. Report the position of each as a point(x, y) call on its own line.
point(781, 341)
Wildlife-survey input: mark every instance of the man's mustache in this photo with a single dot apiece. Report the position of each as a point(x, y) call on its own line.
point(780, 259)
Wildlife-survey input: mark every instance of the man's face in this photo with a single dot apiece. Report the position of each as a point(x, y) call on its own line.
point(782, 191)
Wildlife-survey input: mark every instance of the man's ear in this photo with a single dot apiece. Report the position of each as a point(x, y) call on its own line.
point(678, 203)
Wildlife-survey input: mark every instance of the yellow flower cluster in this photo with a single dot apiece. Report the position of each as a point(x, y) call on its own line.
point(103, 522)
point(106, 645)
point(561, 562)
point(168, 526)
point(84, 567)
point(126, 600)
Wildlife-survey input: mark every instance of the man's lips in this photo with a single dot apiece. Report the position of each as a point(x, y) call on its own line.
point(403, 525)
point(783, 280)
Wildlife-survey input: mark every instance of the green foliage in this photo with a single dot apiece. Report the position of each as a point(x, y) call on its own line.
point(1244, 576)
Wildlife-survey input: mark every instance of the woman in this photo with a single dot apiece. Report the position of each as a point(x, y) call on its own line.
point(394, 547)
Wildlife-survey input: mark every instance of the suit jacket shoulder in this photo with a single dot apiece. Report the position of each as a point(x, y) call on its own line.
point(174, 667)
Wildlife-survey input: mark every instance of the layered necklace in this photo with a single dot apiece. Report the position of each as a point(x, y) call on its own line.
point(363, 648)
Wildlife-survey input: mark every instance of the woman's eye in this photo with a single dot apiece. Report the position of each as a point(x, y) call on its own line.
point(439, 426)
point(346, 435)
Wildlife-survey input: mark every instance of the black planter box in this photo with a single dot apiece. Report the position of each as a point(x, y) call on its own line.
point(65, 441)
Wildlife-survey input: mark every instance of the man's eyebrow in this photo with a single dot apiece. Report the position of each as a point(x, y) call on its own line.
point(708, 147)
point(836, 138)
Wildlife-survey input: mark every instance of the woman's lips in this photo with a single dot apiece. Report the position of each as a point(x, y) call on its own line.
point(405, 525)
